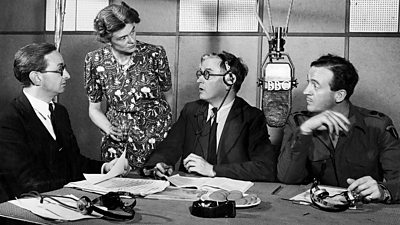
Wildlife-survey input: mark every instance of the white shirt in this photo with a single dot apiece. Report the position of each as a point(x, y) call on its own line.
point(42, 111)
point(222, 114)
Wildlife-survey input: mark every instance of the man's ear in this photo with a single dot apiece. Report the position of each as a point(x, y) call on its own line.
point(340, 95)
point(35, 77)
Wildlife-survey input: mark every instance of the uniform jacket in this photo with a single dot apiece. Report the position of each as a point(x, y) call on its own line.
point(370, 148)
point(31, 158)
point(244, 150)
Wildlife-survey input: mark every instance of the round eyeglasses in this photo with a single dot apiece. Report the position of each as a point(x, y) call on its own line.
point(206, 74)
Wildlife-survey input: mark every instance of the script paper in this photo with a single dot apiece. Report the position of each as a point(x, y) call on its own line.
point(182, 194)
point(216, 182)
point(141, 187)
point(51, 210)
point(116, 170)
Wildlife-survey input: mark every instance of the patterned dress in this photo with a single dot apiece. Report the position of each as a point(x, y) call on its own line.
point(135, 99)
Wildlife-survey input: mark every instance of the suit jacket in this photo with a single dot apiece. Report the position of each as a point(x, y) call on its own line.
point(244, 150)
point(31, 158)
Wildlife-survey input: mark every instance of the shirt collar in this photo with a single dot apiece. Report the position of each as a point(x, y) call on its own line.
point(37, 104)
point(223, 109)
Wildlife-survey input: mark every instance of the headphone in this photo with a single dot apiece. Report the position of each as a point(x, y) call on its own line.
point(229, 78)
point(112, 200)
point(319, 197)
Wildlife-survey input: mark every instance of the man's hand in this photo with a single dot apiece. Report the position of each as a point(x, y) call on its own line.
point(331, 120)
point(195, 163)
point(160, 170)
point(367, 187)
point(108, 166)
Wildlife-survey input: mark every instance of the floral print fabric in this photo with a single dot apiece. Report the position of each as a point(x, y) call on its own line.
point(135, 99)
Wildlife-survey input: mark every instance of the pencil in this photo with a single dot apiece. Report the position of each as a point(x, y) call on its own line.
point(276, 190)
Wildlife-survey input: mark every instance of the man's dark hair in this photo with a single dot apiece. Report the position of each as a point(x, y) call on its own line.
point(31, 58)
point(237, 66)
point(345, 76)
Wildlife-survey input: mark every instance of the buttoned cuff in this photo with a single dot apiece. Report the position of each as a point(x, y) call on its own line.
point(387, 197)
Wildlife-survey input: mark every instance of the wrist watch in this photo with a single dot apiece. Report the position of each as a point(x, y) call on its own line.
point(387, 198)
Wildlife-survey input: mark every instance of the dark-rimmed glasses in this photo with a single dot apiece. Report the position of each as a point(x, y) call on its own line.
point(59, 71)
point(206, 74)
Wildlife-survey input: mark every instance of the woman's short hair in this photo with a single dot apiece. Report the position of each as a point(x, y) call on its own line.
point(31, 58)
point(113, 18)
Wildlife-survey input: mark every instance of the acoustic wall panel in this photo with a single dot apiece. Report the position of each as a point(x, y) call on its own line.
point(198, 15)
point(155, 15)
point(374, 15)
point(69, 16)
point(377, 63)
point(318, 16)
point(10, 87)
point(237, 16)
point(22, 15)
point(79, 14)
point(86, 12)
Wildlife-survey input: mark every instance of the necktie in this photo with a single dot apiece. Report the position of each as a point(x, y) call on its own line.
point(53, 118)
point(212, 140)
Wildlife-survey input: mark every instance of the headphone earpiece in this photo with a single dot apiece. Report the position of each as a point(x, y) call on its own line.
point(321, 193)
point(111, 201)
point(85, 205)
point(229, 78)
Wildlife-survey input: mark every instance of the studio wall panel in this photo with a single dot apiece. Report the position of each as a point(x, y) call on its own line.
point(315, 16)
point(22, 15)
point(304, 50)
point(74, 49)
point(9, 45)
point(155, 15)
point(377, 61)
point(192, 48)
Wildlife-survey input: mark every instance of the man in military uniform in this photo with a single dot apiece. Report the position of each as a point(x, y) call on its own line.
point(339, 143)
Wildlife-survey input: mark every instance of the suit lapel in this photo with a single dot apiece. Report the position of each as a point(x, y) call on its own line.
point(232, 129)
point(202, 129)
point(30, 117)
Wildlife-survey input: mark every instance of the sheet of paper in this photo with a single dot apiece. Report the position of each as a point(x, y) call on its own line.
point(116, 170)
point(141, 187)
point(216, 182)
point(182, 194)
point(51, 210)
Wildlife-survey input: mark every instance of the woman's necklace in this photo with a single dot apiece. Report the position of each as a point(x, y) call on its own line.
point(122, 65)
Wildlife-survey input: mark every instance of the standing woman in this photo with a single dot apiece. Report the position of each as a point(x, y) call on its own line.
point(135, 79)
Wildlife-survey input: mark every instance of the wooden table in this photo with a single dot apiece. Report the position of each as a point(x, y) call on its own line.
point(272, 210)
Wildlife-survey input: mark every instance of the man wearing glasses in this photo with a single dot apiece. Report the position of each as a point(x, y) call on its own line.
point(37, 144)
point(220, 134)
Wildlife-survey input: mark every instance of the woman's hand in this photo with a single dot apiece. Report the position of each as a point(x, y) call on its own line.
point(114, 133)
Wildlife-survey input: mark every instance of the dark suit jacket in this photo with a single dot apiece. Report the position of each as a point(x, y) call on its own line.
point(31, 158)
point(244, 150)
